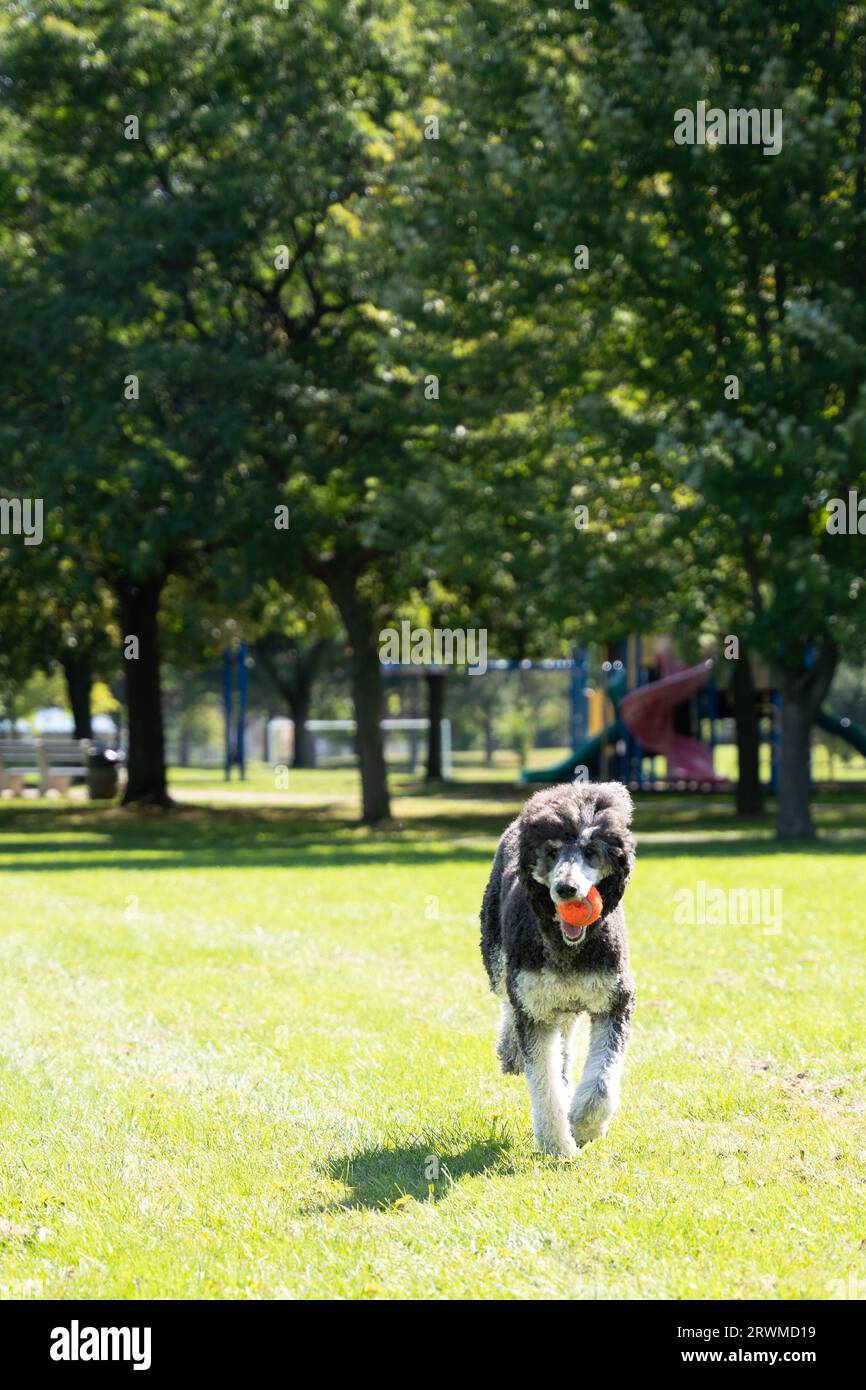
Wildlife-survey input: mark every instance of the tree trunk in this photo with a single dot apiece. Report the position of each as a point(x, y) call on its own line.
point(146, 773)
point(794, 820)
point(79, 684)
point(299, 698)
point(366, 692)
point(435, 710)
point(295, 685)
point(802, 692)
point(750, 793)
point(489, 739)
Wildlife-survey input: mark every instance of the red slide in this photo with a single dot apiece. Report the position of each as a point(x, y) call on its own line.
point(648, 714)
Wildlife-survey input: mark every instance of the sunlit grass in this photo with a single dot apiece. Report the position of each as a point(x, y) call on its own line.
point(235, 1046)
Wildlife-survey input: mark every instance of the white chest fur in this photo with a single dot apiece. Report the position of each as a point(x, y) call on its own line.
point(545, 993)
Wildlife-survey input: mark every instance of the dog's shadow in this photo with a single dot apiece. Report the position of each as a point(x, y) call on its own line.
point(423, 1170)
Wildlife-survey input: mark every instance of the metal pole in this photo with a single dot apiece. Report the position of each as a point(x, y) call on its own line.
point(775, 738)
point(445, 728)
point(579, 678)
point(638, 681)
point(243, 682)
point(227, 711)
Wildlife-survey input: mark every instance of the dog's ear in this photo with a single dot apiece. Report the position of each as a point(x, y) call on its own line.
point(613, 816)
point(529, 842)
point(613, 796)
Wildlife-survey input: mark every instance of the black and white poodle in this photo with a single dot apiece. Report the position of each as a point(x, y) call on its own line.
point(566, 840)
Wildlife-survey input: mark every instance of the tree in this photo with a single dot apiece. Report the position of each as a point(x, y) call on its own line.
point(717, 292)
point(740, 271)
point(53, 611)
point(176, 283)
point(297, 638)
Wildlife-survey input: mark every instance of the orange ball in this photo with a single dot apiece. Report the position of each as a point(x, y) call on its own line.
point(582, 912)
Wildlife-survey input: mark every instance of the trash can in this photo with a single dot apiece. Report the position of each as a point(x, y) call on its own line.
point(102, 773)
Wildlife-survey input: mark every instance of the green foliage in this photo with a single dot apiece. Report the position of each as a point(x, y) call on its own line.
point(732, 262)
point(39, 691)
point(702, 262)
point(285, 262)
point(159, 257)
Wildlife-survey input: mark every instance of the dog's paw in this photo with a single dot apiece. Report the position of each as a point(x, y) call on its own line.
point(558, 1146)
point(563, 1147)
point(586, 1129)
point(590, 1116)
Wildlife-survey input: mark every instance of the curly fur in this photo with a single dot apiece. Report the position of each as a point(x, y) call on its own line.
point(565, 838)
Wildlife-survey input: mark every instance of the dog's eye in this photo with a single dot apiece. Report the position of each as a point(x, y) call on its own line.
point(552, 847)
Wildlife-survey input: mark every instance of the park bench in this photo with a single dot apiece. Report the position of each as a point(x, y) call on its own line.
point(19, 758)
point(61, 759)
point(54, 759)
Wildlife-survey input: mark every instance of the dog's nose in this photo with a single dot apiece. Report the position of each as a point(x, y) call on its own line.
point(564, 890)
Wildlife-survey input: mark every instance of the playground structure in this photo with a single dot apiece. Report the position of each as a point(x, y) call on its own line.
point(235, 682)
point(643, 706)
point(632, 715)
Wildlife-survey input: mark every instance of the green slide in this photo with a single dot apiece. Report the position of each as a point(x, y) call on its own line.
point(587, 754)
point(843, 728)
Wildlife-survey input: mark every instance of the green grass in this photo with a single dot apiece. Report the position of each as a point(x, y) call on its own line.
point(232, 1039)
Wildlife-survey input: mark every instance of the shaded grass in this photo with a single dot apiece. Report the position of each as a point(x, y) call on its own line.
point(236, 1044)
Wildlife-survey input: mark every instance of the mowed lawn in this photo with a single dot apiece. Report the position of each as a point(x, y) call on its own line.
point(249, 1053)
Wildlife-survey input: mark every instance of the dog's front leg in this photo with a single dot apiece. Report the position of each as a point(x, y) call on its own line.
point(541, 1045)
point(594, 1103)
point(508, 1046)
